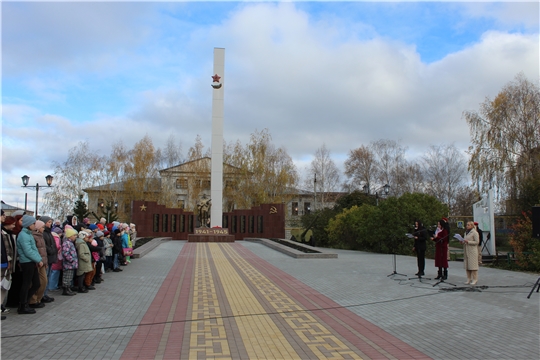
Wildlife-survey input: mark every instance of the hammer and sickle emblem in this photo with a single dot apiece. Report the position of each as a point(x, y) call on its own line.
point(273, 210)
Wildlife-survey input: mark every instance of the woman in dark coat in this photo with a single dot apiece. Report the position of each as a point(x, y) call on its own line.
point(441, 250)
point(420, 237)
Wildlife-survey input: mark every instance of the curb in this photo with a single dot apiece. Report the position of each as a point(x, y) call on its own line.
point(148, 247)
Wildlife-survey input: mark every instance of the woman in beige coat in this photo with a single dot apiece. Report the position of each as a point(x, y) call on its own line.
point(470, 253)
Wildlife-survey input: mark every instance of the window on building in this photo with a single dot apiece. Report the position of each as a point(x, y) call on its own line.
point(242, 223)
point(100, 204)
point(180, 204)
point(165, 223)
point(294, 209)
point(307, 208)
point(181, 183)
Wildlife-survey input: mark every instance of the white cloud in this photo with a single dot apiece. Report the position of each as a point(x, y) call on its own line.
point(308, 82)
point(70, 36)
point(508, 14)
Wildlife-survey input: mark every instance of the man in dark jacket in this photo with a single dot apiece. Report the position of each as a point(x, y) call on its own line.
point(117, 249)
point(52, 256)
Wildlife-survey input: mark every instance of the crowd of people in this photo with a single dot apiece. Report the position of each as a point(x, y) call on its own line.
point(472, 252)
point(41, 256)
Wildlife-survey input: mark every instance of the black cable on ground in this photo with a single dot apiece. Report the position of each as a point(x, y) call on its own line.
point(217, 317)
point(439, 291)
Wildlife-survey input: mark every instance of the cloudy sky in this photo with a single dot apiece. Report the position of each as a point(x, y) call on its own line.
point(339, 73)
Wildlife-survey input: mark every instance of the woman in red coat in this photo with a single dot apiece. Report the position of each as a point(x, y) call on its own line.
point(441, 249)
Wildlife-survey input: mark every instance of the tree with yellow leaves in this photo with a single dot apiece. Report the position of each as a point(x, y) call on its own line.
point(505, 136)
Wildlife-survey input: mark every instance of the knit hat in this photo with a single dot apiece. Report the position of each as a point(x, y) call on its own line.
point(106, 233)
point(28, 220)
point(100, 226)
point(10, 220)
point(86, 220)
point(70, 232)
point(39, 224)
point(45, 219)
point(99, 234)
point(476, 223)
point(18, 212)
point(102, 220)
point(92, 227)
point(57, 230)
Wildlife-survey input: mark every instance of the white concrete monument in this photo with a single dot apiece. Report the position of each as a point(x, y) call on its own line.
point(484, 214)
point(216, 185)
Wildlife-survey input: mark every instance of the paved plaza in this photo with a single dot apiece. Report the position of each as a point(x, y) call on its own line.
point(245, 301)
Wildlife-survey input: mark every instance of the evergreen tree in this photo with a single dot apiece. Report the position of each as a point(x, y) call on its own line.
point(81, 210)
point(108, 212)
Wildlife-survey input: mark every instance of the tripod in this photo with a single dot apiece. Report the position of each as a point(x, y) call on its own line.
point(394, 262)
point(535, 286)
point(441, 280)
point(419, 278)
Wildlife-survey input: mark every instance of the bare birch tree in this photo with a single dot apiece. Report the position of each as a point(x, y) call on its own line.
point(324, 170)
point(361, 167)
point(80, 170)
point(445, 172)
point(171, 154)
point(390, 160)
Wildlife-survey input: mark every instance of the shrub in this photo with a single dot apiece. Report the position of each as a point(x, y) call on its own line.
point(527, 248)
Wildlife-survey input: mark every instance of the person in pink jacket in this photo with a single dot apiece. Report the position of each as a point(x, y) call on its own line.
point(57, 266)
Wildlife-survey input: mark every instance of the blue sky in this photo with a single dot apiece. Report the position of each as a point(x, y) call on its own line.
point(339, 73)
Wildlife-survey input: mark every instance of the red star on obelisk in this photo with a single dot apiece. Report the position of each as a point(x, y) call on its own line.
point(216, 78)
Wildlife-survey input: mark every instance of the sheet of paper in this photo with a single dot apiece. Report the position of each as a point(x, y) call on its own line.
point(459, 237)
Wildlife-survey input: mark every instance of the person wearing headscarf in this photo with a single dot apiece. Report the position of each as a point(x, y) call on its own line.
point(18, 225)
point(29, 260)
point(37, 301)
point(52, 253)
point(85, 260)
point(9, 254)
point(133, 233)
point(70, 260)
point(56, 268)
point(117, 249)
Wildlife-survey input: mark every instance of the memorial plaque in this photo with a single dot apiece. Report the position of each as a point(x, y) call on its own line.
point(211, 231)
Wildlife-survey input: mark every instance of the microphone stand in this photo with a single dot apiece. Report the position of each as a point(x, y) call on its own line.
point(535, 286)
point(394, 261)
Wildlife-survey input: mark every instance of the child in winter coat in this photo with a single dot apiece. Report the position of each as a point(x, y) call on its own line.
point(85, 261)
point(70, 261)
point(56, 268)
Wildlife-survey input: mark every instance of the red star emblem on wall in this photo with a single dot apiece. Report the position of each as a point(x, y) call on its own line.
point(216, 78)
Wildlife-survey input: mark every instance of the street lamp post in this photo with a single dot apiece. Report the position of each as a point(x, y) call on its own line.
point(315, 192)
point(25, 180)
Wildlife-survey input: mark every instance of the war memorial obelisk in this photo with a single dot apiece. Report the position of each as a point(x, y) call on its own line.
point(216, 184)
point(216, 233)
